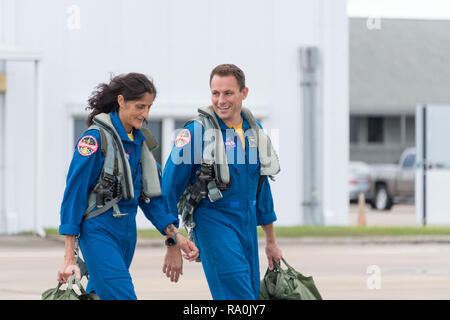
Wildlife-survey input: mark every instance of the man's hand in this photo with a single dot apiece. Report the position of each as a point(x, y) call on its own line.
point(273, 252)
point(173, 263)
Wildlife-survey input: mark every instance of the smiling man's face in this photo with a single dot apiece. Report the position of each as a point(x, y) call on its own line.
point(227, 98)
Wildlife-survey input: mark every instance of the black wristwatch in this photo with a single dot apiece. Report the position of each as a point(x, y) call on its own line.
point(170, 242)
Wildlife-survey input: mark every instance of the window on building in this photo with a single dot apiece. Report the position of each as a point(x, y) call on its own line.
point(180, 123)
point(410, 130)
point(354, 128)
point(79, 126)
point(375, 129)
point(393, 130)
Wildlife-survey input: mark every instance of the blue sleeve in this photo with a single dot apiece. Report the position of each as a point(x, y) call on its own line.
point(156, 211)
point(83, 173)
point(265, 213)
point(181, 166)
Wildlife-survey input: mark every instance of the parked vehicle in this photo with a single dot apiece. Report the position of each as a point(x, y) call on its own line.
point(359, 179)
point(392, 183)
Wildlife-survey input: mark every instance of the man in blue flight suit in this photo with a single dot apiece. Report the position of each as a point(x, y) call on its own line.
point(226, 230)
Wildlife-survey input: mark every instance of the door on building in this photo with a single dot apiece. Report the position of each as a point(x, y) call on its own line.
point(433, 157)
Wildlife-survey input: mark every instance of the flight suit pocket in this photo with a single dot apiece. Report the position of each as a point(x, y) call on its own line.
point(227, 270)
point(236, 284)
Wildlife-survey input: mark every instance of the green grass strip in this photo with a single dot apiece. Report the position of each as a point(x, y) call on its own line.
point(321, 231)
point(354, 231)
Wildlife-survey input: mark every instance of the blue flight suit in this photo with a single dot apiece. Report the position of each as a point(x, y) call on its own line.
point(108, 243)
point(226, 230)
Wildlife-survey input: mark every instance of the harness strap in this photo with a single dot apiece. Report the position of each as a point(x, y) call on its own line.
point(103, 142)
point(268, 158)
point(104, 121)
point(214, 193)
point(106, 207)
point(214, 149)
point(150, 185)
point(116, 171)
point(108, 166)
point(149, 139)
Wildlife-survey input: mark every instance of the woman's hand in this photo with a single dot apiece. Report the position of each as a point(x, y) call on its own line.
point(173, 263)
point(69, 266)
point(68, 269)
point(188, 247)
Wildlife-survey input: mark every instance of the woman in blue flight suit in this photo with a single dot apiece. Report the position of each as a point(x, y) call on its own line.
point(107, 242)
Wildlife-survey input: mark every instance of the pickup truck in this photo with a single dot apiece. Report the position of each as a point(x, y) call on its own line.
point(392, 183)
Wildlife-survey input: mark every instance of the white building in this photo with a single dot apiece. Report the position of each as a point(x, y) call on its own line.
point(391, 72)
point(177, 43)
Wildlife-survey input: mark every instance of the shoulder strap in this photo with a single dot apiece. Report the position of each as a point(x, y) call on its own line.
point(268, 158)
point(214, 149)
point(198, 119)
point(103, 141)
point(107, 148)
point(110, 169)
point(151, 186)
point(103, 120)
point(151, 142)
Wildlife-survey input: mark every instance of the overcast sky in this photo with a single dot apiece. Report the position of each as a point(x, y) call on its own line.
point(429, 9)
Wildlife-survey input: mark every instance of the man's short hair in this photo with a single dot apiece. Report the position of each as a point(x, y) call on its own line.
point(224, 70)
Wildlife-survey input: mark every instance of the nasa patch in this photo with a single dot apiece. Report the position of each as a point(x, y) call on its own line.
point(183, 138)
point(87, 146)
point(230, 143)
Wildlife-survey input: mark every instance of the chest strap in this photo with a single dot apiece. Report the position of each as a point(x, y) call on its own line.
point(116, 182)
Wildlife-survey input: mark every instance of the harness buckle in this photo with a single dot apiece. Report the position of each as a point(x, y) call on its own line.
point(119, 214)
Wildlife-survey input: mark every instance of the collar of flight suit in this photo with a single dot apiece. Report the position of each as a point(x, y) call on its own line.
point(223, 126)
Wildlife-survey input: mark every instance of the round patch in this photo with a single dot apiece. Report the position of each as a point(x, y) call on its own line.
point(87, 146)
point(183, 138)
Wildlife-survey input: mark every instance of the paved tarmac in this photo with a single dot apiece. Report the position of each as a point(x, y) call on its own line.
point(346, 268)
point(400, 215)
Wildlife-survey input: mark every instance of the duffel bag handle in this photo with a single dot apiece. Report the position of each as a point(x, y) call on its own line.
point(278, 265)
point(74, 280)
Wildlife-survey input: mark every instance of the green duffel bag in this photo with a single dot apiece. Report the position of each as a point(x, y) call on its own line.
point(289, 284)
point(69, 293)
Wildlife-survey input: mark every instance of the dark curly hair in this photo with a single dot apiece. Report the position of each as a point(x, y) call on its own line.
point(132, 86)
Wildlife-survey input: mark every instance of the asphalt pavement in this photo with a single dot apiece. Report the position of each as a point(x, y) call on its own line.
point(346, 268)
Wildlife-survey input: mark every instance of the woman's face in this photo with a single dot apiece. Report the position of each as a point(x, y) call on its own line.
point(133, 113)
